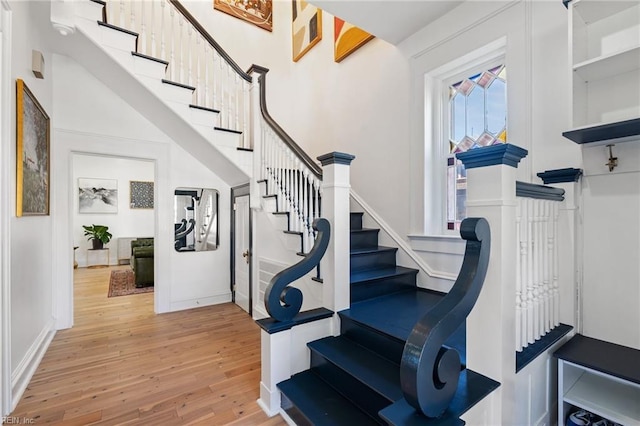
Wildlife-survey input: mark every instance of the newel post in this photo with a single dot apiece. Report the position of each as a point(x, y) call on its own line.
point(335, 208)
point(491, 193)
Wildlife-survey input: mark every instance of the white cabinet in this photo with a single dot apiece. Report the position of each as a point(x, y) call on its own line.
point(604, 53)
point(600, 377)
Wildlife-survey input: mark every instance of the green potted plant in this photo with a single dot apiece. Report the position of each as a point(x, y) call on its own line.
point(98, 235)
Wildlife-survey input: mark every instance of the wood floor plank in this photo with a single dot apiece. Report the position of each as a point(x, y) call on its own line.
point(121, 364)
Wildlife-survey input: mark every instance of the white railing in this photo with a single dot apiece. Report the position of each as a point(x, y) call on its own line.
point(537, 292)
point(297, 188)
point(166, 31)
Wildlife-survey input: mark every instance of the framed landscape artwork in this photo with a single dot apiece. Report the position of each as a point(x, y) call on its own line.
point(347, 38)
point(32, 154)
point(257, 12)
point(306, 28)
point(97, 195)
point(140, 194)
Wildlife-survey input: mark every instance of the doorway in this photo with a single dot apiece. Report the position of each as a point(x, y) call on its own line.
point(241, 288)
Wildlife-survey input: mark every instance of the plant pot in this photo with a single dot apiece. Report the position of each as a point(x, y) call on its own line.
point(97, 244)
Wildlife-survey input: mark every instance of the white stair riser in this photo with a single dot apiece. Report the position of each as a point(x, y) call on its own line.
point(269, 204)
point(281, 221)
point(170, 92)
point(203, 117)
point(147, 67)
point(242, 159)
point(227, 139)
point(117, 39)
point(88, 10)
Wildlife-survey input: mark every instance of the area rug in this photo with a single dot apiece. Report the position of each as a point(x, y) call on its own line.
point(122, 283)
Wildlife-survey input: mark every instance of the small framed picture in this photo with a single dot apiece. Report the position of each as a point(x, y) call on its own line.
point(140, 194)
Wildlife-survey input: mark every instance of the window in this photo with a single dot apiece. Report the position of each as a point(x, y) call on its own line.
point(476, 116)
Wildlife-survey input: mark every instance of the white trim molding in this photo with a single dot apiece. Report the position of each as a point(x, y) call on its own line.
point(27, 367)
point(6, 206)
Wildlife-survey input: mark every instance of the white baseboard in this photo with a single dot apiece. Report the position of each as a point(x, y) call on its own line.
point(21, 377)
point(200, 302)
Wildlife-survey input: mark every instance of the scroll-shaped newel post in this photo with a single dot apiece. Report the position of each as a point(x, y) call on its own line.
point(429, 373)
point(283, 302)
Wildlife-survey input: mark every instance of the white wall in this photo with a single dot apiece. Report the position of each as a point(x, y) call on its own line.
point(31, 237)
point(93, 120)
point(611, 287)
point(359, 106)
point(127, 222)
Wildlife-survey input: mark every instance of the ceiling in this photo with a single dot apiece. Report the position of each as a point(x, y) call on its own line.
point(390, 20)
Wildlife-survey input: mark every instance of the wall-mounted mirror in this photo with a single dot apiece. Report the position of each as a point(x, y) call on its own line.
point(195, 219)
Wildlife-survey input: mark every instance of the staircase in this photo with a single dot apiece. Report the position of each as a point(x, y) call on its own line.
point(355, 376)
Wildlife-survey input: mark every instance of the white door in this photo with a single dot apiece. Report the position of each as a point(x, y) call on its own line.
point(241, 252)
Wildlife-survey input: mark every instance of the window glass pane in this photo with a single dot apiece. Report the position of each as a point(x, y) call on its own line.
point(458, 113)
point(475, 113)
point(478, 117)
point(496, 106)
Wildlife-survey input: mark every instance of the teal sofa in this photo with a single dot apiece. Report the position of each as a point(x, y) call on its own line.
point(142, 261)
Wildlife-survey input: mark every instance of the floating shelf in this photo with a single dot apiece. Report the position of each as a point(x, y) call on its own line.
point(620, 131)
point(609, 65)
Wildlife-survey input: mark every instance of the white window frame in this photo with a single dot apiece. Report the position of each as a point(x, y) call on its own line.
point(436, 127)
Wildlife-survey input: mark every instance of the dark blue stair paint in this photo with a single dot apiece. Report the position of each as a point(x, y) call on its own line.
point(387, 334)
point(355, 378)
point(355, 220)
point(309, 400)
point(472, 388)
point(361, 238)
point(378, 282)
point(366, 259)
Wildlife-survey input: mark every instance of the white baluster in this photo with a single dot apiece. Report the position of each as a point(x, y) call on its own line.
point(163, 53)
point(246, 108)
point(172, 62)
point(189, 49)
point(152, 24)
point(206, 74)
point(237, 90)
point(547, 266)
point(142, 39)
point(518, 300)
point(122, 14)
point(530, 294)
point(523, 271)
point(132, 19)
point(199, 91)
point(556, 261)
point(181, 50)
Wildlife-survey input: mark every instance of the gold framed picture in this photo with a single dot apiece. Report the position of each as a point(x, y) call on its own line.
point(32, 154)
point(347, 38)
point(257, 12)
point(306, 28)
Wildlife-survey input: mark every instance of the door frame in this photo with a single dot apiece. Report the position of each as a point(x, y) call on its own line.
point(240, 191)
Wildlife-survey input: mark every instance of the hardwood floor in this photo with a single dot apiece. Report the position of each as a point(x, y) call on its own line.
point(122, 364)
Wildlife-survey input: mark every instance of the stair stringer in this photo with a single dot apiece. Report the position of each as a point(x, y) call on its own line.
point(232, 165)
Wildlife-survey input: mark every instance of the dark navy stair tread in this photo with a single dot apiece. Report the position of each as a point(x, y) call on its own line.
point(365, 230)
point(472, 388)
point(320, 403)
point(375, 274)
point(408, 307)
point(376, 372)
point(367, 250)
